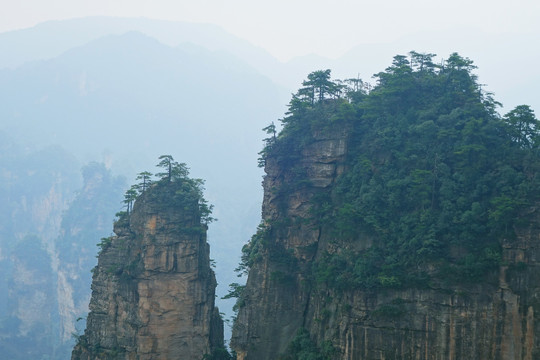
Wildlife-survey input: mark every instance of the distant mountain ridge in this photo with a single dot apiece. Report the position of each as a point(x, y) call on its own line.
point(97, 85)
point(50, 39)
point(492, 52)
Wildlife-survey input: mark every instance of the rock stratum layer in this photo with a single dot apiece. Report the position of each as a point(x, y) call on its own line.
point(153, 289)
point(496, 319)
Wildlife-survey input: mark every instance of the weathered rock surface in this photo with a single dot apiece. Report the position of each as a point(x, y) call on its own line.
point(276, 300)
point(494, 320)
point(153, 289)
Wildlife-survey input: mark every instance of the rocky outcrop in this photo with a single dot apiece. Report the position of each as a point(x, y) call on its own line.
point(492, 320)
point(153, 288)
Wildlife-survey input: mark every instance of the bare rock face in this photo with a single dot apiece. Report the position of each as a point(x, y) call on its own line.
point(153, 289)
point(493, 320)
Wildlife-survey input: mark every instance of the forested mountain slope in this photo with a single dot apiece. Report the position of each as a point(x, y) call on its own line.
point(399, 221)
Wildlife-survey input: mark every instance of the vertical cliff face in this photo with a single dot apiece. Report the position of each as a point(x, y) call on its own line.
point(153, 288)
point(493, 319)
point(277, 299)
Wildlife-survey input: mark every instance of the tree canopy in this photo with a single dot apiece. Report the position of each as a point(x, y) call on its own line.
point(318, 87)
point(173, 169)
point(173, 186)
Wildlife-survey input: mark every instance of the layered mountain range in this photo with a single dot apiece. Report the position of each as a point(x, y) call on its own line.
point(398, 216)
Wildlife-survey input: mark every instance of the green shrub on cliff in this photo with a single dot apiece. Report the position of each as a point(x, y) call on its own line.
point(173, 186)
point(303, 348)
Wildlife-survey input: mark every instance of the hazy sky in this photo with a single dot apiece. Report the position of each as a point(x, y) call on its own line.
point(288, 28)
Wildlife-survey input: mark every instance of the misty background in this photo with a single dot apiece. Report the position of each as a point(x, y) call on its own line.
point(87, 103)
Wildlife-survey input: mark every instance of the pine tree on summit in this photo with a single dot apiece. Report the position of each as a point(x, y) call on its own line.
point(174, 170)
point(167, 164)
point(146, 178)
point(129, 198)
point(318, 87)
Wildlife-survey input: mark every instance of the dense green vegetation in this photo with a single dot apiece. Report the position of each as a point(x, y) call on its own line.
point(173, 186)
point(220, 353)
point(435, 178)
point(303, 348)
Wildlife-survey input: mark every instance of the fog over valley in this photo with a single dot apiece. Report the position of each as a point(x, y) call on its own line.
point(87, 103)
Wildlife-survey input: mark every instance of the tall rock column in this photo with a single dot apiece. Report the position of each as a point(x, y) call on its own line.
point(153, 289)
point(282, 308)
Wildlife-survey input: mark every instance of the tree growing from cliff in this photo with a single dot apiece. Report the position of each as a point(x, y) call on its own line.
point(269, 130)
point(173, 186)
point(167, 164)
point(187, 190)
point(146, 178)
point(129, 198)
point(173, 169)
point(316, 89)
point(318, 86)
